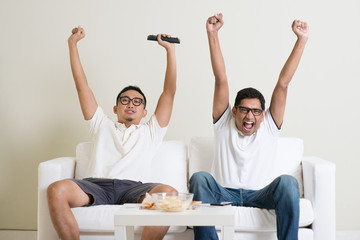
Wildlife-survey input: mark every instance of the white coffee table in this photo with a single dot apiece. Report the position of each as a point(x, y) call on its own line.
point(130, 215)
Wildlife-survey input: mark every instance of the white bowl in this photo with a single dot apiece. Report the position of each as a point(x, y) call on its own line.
point(172, 202)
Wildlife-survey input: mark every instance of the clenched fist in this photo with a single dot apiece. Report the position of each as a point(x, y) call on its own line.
point(300, 29)
point(77, 34)
point(214, 23)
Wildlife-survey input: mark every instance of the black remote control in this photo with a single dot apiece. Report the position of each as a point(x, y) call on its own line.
point(171, 40)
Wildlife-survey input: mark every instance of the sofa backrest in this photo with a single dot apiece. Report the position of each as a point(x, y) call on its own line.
point(288, 157)
point(168, 166)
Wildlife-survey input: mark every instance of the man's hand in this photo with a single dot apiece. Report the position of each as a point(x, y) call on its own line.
point(165, 44)
point(300, 29)
point(77, 34)
point(214, 23)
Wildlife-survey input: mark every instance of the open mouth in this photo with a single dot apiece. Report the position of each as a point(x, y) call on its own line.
point(248, 125)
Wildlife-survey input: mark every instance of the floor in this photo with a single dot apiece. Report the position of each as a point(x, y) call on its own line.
point(31, 235)
point(17, 235)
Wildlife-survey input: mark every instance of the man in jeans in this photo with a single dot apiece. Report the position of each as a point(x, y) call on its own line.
point(245, 143)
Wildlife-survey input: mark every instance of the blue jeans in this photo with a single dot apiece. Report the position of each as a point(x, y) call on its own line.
point(282, 195)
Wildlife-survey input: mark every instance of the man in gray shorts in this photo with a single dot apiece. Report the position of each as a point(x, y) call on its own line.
point(121, 149)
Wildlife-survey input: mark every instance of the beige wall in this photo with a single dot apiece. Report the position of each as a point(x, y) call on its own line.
point(40, 114)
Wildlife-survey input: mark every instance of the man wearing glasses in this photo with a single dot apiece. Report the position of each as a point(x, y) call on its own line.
point(122, 149)
point(245, 144)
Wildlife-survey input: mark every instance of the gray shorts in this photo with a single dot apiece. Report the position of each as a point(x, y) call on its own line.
point(113, 191)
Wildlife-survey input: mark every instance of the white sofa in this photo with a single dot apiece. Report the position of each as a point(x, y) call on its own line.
point(173, 165)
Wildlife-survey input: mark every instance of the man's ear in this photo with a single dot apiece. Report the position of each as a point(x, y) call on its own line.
point(262, 117)
point(115, 109)
point(233, 111)
point(144, 113)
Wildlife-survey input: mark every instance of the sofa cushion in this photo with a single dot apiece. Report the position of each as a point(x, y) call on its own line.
point(201, 154)
point(262, 220)
point(288, 157)
point(83, 153)
point(100, 218)
point(168, 166)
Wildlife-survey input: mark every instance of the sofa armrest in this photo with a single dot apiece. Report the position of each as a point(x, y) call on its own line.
point(49, 172)
point(319, 188)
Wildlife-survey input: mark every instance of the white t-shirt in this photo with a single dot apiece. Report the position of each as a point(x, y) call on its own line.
point(244, 161)
point(120, 152)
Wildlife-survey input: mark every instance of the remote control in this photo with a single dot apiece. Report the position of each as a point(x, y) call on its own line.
point(171, 40)
point(221, 204)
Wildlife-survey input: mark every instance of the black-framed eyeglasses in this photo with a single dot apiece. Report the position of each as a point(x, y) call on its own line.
point(245, 110)
point(125, 100)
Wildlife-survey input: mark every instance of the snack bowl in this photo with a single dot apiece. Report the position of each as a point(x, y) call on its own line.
point(172, 202)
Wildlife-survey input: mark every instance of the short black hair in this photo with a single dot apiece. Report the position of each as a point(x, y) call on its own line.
point(130, 87)
point(250, 93)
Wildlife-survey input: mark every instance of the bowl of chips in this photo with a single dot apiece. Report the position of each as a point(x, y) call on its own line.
point(172, 202)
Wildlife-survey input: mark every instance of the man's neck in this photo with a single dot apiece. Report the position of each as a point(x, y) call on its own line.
point(129, 123)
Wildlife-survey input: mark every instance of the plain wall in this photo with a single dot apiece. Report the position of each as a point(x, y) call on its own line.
point(40, 113)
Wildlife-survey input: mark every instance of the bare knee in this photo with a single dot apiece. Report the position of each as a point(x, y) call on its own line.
point(160, 189)
point(56, 191)
point(67, 191)
point(163, 188)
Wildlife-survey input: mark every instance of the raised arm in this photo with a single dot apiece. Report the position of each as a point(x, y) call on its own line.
point(165, 103)
point(221, 92)
point(278, 100)
point(86, 97)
